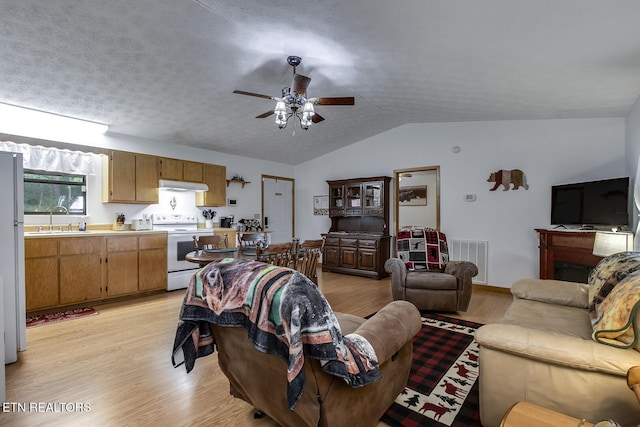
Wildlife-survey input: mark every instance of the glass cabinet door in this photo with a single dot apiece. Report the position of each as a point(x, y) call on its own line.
point(373, 199)
point(336, 200)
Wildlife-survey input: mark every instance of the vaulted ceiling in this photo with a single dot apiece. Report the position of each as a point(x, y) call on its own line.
point(166, 69)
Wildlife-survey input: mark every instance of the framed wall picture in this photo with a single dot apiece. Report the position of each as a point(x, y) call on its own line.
point(412, 196)
point(321, 205)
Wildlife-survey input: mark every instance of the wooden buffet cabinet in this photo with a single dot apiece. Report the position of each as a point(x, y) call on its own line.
point(133, 178)
point(358, 241)
point(572, 248)
point(70, 270)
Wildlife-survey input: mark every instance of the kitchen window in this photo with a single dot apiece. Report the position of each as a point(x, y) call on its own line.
point(43, 190)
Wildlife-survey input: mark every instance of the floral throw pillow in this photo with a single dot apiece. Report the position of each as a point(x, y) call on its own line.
point(616, 325)
point(605, 276)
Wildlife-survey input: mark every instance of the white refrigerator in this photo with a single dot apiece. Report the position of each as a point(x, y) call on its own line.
point(12, 255)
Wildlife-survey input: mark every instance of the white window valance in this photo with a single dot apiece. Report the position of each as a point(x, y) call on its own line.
point(53, 159)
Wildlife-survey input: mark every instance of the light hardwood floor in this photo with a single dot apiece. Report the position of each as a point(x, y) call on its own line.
point(119, 363)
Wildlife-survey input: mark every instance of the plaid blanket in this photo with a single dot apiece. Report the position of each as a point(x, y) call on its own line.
point(284, 313)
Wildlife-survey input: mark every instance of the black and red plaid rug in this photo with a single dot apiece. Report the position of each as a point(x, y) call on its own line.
point(442, 389)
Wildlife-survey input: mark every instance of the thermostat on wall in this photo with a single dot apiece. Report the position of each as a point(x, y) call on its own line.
point(469, 197)
point(232, 202)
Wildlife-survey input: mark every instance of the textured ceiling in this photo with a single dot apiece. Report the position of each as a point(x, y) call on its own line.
point(166, 69)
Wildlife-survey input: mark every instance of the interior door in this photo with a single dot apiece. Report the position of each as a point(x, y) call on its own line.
point(277, 208)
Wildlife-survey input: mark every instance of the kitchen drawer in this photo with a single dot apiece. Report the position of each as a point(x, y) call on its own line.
point(349, 242)
point(332, 241)
point(154, 241)
point(368, 243)
point(117, 244)
point(79, 245)
point(35, 248)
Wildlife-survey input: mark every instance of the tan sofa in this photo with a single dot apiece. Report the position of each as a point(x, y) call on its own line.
point(542, 352)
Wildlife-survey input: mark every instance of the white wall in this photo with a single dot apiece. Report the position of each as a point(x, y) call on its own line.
point(249, 199)
point(632, 134)
point(548, 151)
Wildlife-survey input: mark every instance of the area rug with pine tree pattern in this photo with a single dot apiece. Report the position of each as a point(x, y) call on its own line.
point(442, 389)
point(60, 316)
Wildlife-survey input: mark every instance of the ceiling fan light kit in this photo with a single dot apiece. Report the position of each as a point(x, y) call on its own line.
point(294, 103)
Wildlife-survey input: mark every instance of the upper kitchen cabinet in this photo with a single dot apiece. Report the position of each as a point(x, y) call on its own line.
point(215, 176)
point(180, 170)
point(129, 178)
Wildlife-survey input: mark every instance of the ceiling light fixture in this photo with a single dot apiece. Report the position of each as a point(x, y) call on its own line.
point(294, 104)
point(294, 101)
point(39, 124)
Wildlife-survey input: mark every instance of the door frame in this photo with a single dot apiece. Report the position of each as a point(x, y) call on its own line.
point(293, 198)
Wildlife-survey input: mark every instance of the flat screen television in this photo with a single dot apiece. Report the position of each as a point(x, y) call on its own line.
point(604, 202)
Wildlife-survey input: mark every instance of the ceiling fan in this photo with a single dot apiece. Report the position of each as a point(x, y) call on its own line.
point(294, 101)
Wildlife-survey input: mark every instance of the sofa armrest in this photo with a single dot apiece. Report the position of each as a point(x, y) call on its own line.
point(390, 328)
point(552, 292)
point(558, 349)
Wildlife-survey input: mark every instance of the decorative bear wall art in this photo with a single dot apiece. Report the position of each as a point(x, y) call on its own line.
point(507, 177)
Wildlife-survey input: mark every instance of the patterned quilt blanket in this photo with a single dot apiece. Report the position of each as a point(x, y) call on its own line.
point(284, 313)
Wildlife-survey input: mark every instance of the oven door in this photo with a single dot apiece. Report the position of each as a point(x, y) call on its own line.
point(179, 270)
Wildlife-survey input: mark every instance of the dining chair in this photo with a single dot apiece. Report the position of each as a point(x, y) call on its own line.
point(280, 254)
point(248, 243)
point(213, 241)
point(307, 262)
point(313, 243)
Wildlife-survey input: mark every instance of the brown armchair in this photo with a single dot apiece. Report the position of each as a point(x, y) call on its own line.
point(261, 379)
point(433, 290)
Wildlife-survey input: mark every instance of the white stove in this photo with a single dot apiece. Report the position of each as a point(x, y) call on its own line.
point(180, 230)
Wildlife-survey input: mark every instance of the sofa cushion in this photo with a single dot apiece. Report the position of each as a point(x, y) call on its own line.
point(556, 319)
point(423, 249)
point(552, 291)
point(606, 275)
point(616, 325)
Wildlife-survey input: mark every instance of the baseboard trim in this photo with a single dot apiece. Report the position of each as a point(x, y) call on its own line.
point(492, 288)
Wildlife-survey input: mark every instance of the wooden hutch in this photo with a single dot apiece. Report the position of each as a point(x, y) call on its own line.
point(358, 241)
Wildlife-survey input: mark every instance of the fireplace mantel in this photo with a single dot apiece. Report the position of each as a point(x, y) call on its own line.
point(571, 247)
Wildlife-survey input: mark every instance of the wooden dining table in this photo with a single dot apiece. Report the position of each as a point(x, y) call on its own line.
point(204, 256)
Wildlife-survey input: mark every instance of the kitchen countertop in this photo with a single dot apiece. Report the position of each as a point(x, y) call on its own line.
point(76, 233)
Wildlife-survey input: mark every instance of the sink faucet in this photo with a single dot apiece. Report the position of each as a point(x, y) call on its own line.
point(51, 215)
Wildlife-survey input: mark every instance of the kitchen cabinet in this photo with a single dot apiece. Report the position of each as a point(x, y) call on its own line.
point(80, 263)
point(41, 273)
point(70, 270)
point(180, 170)
point(129, 178)
point(215, 178)
point(152, 262)
point(231, 234)
point(122, 265)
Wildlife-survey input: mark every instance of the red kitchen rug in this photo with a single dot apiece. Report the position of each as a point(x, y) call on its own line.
point(60, 316)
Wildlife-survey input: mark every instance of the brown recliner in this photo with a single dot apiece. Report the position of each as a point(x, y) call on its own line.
point(433, 290)
point(261, 379)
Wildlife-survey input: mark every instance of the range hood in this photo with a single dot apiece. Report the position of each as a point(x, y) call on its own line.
point(165, 184)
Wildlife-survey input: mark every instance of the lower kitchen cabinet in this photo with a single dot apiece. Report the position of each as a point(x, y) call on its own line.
point(41, 273)
point(152, 262)
point(80, 262)
point(66, 271)
point(122, 265)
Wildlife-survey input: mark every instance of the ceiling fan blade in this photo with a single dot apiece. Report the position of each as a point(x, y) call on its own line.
point(300, 84)
point(265, 115)
point(242, 92)
point(317, 118)
point(345, 100)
